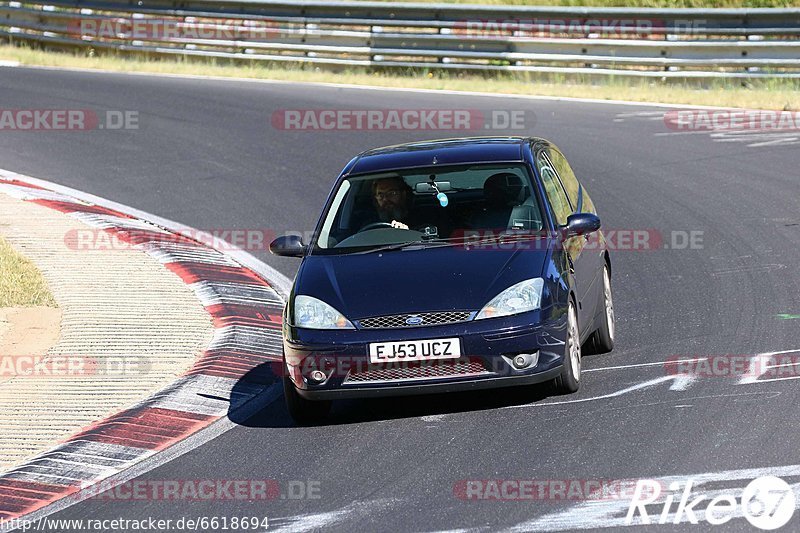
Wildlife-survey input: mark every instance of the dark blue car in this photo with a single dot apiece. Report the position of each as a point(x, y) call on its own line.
point(446, 265)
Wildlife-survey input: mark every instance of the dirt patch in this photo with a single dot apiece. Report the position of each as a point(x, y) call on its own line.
point(28, 331)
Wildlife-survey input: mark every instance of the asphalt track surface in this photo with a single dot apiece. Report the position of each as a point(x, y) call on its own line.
point(206, 155)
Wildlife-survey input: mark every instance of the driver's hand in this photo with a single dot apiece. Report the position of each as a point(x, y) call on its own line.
point(399, 225)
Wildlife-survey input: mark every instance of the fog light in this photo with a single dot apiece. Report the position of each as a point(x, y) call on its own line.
point(525, 360)
point(317, 376)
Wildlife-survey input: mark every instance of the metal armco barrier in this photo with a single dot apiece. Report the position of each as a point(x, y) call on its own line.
point(663, 43)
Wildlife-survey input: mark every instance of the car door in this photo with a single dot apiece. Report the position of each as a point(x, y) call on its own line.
point(592, 257)
point(579, 264)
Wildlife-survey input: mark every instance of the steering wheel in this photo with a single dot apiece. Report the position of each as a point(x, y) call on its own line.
point(375, 225)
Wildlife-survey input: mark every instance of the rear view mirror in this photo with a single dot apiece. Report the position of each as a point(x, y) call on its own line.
point(426, 187)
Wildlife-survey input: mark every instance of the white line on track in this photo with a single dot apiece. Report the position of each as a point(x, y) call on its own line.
point(679, 383)
point(638, 365)
point(773, 379)
point(750, 378)
point(783, 365)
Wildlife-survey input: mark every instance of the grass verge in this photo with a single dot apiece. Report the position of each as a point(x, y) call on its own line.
point(21, 283)
point(755, 94)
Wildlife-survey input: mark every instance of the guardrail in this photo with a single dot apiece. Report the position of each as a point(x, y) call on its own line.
point(663, 43)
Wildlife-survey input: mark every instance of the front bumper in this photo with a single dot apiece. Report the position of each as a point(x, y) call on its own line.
point(444, 386)
point(487, 347)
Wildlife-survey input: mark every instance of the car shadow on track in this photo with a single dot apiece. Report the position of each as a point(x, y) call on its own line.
point(275, 415)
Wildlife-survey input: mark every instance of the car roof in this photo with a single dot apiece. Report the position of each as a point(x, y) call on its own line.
point(445, 151)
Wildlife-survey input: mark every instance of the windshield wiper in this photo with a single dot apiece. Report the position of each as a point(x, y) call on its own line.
point(421, 244)
point(501, 238)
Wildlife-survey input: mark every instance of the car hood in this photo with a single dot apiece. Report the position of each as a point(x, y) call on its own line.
point(413, 281)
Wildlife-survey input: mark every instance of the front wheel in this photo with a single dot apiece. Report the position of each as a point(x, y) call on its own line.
point(303, 411)
point(569, 380)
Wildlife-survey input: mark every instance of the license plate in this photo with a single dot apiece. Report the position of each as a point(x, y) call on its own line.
point(382, 352)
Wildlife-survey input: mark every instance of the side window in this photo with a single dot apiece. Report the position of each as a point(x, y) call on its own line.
point(567, 176)
point(555, 193)
point(588, 205)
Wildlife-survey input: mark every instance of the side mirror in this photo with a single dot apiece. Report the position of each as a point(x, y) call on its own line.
point(288, 246)
point(581, 224)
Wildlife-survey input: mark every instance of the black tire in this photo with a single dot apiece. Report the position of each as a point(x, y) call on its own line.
point(603, 337)
point(304, 412)
point(569, 380)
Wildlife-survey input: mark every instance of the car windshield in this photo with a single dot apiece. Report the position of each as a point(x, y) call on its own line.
point(429, 206)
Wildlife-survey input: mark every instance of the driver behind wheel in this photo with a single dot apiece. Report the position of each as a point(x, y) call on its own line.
point(393, 204)
point(392, 200)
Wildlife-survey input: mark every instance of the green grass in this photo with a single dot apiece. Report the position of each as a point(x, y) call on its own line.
point(21, 283)
point(759, 94)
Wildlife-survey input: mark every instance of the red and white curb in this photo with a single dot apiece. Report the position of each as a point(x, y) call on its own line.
point(239, 365)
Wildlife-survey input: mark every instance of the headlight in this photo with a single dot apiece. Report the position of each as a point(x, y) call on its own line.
point(315, 314)
point(524, 296)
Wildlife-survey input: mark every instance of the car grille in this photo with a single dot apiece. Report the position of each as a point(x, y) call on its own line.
point(413, 372)
point(401, 321)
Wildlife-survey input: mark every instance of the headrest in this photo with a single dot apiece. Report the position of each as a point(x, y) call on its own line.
point(503, 189)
